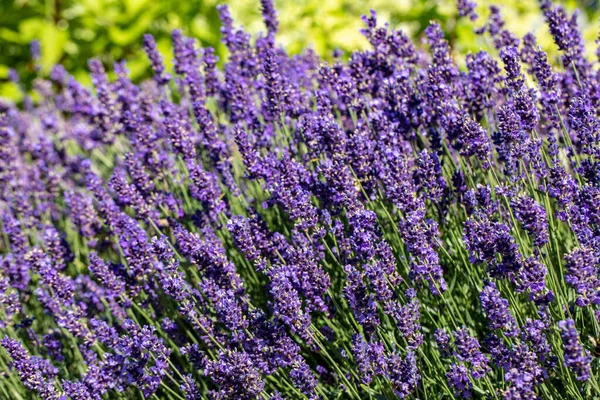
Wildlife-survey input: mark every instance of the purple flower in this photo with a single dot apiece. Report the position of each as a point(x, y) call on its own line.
point(303, 378)
point(582, 274)
point(360, 352)
point(248, 238)
point(228, 309)
point(495, 26)
point(129, 195)
point(30, 370)
point(442, 72)
point(287, 188)
point(511, 138)
point(269, 16)
point(561, 185)
point(77, 390)
point(533, 332)
point(104, 115)
point(179, 131)
point(466, 8)
point(496, 310)
point(310, 279)
point(362, 304)
point(139, 175)
point(190, 389)
point(270, 346)
point(533, 218)
point(482, 78)
point(584, 122)
point(208, 255)
point(287, 304)
point(62, 285)
point(485, 239)
point(429, 174)
point(569, 40)
point(287, 224)
point(420, 236)
point(403, 374)
point(105, 275)
point(514, 77)
point(575, 357)
point(53, 346)
point(235, 376)
point(369, 358)
point(57, 248)
point(16, 234)
point(407, 319)
point(187, 65)
point(474, 141)
point(211, 77)
point(458, 380)
point(548, 82)
point(468, 350)
point(525, 372)
point(204, 187)
point(35, 50)
point(532, 277)
point(155, 60)
point(443, 341)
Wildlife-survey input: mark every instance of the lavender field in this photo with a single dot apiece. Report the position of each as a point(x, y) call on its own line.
point(390, 223)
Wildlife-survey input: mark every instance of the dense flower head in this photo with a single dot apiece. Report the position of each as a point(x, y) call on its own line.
point(369, 358)
point(582, 267)
point(533, 332)
point(583, 121)
point(442, 340)
point(402, 221)
point(155, 60)
point(468, 350)
point(510, 58)
point(466, 8)
point(485, 240)
point(482, 78)
point(403, 374)
point(496, 310)
point(532, 277)
point(458, 380)
point(533, 217)
point(30, 369)
point(235, 375)
point(576, 357)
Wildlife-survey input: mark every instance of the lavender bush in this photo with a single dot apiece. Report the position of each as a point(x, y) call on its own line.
point(386, 226)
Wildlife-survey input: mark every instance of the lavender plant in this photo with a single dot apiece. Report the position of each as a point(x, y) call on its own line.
point(384, 225)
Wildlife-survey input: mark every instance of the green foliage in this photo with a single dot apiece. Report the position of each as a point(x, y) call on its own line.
point(71, 32)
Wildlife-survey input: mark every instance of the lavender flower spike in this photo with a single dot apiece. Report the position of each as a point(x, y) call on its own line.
point(575, 357)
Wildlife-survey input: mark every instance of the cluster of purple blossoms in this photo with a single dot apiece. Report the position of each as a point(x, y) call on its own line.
point(576, 358)
point(468, 350)
point(582, 274)
point(533, 218)
point(458, 380)
point(496, 310)
point(381, 224)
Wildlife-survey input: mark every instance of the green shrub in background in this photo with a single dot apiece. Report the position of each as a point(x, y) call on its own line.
point(72, 31)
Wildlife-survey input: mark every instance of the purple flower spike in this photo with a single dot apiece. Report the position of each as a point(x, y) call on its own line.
point(575, 357)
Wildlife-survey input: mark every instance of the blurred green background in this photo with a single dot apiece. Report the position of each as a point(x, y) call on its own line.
point(71, 31)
